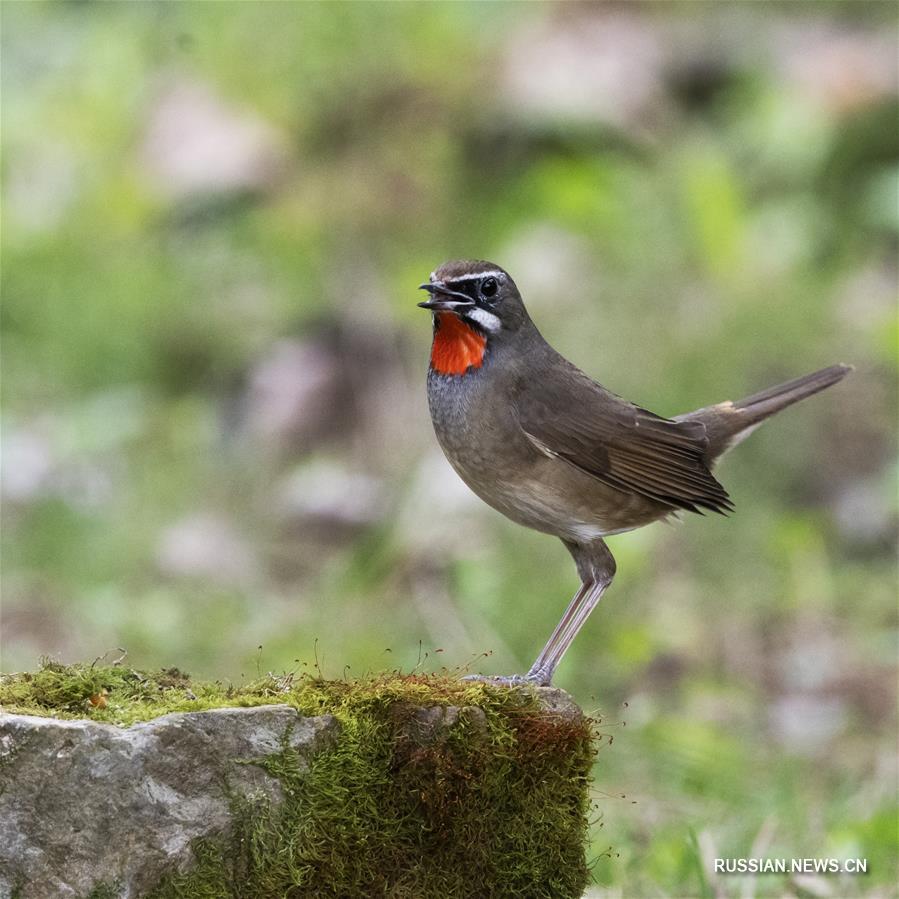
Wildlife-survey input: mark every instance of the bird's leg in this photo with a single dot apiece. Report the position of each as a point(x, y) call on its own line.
point(540, 670)
point(596, 566)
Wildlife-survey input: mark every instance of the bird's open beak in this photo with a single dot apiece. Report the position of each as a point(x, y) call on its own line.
point(444, 299)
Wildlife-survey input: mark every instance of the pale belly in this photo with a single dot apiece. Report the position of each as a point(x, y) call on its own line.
point(556, 499)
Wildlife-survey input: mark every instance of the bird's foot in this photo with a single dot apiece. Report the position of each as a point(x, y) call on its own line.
point(508, 680)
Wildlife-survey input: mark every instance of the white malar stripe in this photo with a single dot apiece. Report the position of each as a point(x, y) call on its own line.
point(487, 320)
point(475, 277)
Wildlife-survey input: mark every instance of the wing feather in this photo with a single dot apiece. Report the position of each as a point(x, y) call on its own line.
point(620, 444)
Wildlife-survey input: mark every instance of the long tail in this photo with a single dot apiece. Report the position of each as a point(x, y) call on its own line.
point(728, 423)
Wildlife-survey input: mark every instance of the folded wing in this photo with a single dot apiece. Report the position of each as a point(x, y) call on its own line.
point(622, 445)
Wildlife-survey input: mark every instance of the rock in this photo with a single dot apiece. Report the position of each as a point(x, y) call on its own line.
point(558, 702)
point(396, 785)
point(84, 804)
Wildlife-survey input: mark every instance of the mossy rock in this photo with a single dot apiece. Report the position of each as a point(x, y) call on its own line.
point(400, 786)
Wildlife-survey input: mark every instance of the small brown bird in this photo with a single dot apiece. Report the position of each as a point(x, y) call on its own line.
point(552, 449)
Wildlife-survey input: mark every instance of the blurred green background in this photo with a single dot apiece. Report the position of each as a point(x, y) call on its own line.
point(217, 451)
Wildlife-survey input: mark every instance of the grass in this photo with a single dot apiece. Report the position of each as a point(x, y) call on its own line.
point(489, 796)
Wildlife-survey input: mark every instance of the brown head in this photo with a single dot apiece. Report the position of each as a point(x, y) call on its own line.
point(476, 305)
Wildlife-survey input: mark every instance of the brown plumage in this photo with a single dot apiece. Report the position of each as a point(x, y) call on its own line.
point(552, 449)
point(726, 424)
point(620, 444)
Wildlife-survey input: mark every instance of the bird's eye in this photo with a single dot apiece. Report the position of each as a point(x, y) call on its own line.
point(489, 287)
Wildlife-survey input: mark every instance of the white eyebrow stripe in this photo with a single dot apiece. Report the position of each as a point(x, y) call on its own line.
point(487, 320)
point(475, 277)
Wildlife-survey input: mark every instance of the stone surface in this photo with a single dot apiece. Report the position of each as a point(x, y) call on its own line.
point(558, 702)
point(87, 807)
point(84, 804)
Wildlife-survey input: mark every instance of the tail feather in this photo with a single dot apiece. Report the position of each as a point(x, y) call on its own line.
point(728, 423)
point(767, 402)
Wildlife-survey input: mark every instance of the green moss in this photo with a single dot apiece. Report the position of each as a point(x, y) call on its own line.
point(120, 695)
point(489, 798)
point(105, 891)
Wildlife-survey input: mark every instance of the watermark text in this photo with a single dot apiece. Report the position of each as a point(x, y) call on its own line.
point(791, 866)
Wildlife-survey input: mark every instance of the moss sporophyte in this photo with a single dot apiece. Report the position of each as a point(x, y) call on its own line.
point(433, 787)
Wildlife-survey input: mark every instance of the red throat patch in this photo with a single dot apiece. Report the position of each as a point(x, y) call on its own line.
point(456, 347)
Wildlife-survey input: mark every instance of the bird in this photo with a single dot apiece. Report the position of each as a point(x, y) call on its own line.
point(552, 449)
